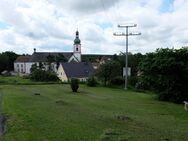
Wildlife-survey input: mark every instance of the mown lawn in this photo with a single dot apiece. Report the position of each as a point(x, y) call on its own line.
point(13, 80)
point(93, 114)
point(18, 80)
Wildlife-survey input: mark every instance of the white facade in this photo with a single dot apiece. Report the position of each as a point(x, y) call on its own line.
point(23, 67)
point(77, 51)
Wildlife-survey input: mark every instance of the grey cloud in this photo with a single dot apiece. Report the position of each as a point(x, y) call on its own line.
point(92, 35)
point(84, 6)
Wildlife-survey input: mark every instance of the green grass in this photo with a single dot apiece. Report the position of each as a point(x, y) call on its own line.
point(13, 80)
point(18, 80)
point(90, 115)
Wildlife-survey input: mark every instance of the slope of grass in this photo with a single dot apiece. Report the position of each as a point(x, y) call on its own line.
point(18, 80)
point(90, 115)
point(13, 80)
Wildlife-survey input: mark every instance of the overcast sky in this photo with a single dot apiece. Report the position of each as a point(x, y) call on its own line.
point(50, 25)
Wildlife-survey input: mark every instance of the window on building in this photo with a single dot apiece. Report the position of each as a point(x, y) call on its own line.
point(76, 49)
point(18, 68)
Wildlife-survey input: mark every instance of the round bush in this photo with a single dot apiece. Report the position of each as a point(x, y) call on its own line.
point(117, 81)
point(91, 81)
point(74, 84)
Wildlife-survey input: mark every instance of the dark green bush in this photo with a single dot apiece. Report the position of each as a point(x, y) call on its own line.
point(166, 73)
point(41, 75)
point(91, 81)
point(74, 84)
point(117, 81)
point(132, 80)
point(50, 76)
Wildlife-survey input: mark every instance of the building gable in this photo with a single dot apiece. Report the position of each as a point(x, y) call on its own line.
point(73, 58)
point(61, 74)
point(78, 70)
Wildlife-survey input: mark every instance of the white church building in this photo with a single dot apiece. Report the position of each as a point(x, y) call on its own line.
point(22, 64)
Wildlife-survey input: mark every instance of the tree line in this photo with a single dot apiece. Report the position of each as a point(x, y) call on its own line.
point(164, 72)
point(7, 60)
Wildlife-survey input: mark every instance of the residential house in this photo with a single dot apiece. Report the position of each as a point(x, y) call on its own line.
point(81, 70)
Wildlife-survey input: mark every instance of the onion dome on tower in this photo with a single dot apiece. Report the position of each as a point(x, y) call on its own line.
point(77, 40)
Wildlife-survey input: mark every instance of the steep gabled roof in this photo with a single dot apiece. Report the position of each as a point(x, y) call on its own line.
point(25, 58)
point(79, 70)
point(42, 56)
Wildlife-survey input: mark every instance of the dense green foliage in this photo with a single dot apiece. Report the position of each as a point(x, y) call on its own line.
point(166, 72)
point(57, 115)
point(93, 58)
point(117, 81)
point(39, 74)
point(112, 72)
point(133, 61)
point(74, 84)
point(108, 71)
point(92, 81)
point(7, 61)
point(42, 75)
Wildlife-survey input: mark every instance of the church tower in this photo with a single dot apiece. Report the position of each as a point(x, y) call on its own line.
point(77, 47)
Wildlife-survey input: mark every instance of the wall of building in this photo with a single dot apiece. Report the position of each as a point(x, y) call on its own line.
point(84, 79)
point(28, 67)
point(20, 67)
point(61, 74)
point(77, 51)
point(23, 67)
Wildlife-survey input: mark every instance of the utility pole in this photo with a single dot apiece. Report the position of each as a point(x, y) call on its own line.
point(127, 34)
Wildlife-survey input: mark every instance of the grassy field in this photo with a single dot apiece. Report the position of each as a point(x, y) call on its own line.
point(93, 114)
point(17, 80)
point(13, 80)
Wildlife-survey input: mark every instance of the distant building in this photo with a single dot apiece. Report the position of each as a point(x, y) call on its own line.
point(80, 70)
point(23, 63)
point(96, 59)
point(71, 62)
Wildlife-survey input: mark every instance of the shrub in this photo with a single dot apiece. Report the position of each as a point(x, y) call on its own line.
point(37, 75)
point(117, 81)
point(91, 81)
point(132, 80)
point(41, 75)
point(166, 73)
point(50, 76)
point(74, 84)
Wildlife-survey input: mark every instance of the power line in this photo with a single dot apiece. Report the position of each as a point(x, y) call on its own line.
point(127, 34)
